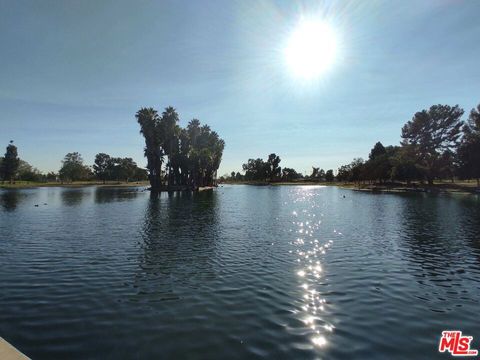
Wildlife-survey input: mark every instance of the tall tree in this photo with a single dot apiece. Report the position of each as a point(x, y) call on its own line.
point(102, 166)
point(10, 163)
point(321, 175)
point(469, 148)
point(217, 145)
point(73, 168)
point(354, 172)
point(170, 141)
point(27, 172)
point(273, 170)
point(344, 173)
point(431, 133)
point(255, 169)
point(315, 171)
point(404, 167)
point(140, 174)
point(124, 169)
point(357, 168)
point(378, 167)
point(329, 177)
point(149, 122)
point(378, 150)
point(289, 174)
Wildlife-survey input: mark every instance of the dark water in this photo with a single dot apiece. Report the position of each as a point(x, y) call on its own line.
point(237, 273)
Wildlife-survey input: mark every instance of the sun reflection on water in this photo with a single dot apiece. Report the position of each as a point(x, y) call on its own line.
point(309, 247)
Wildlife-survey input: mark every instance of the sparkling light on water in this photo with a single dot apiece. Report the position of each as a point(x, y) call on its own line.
point(310, 246)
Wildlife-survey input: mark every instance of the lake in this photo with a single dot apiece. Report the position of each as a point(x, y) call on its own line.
point(239, 272)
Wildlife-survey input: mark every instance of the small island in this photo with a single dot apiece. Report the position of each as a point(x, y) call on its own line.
point(193, 153)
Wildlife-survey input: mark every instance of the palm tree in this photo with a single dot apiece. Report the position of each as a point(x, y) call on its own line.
point(150, 129)
point(183, 159)
point(171, 130)
point(194, 154)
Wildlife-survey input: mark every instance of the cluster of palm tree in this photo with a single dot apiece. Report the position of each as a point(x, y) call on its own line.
point(179, 156)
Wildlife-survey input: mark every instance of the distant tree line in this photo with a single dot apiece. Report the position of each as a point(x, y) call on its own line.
point(257, 169)
point(12, 168)
point(177, 156)
point(269, 170)
point(115, 168)
point(105, 168)
point(436, 144)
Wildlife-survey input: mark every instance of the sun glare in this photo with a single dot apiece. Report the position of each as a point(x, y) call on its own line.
point(311, 49)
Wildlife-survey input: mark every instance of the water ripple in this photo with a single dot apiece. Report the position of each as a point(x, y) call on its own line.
point(241, 272)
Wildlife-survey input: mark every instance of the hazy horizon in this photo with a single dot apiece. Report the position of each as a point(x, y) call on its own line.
point(74, 74)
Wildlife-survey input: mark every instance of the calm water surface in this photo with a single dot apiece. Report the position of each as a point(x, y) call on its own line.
point(237, 273)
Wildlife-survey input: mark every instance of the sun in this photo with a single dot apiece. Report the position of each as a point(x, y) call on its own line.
point(311, 49)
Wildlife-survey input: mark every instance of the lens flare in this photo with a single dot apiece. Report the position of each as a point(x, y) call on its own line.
point(311, 49)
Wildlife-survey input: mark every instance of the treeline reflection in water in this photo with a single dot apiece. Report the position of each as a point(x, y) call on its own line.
point(178, 245)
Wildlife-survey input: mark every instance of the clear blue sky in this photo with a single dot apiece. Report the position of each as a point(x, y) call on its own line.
point(73, 74)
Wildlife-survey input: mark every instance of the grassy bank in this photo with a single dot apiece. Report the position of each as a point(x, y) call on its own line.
point(32, 184)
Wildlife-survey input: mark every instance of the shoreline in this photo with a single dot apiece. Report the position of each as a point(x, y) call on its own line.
point(427, 189)
point(436, 188)
point(32, 185)
point(81, 184)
